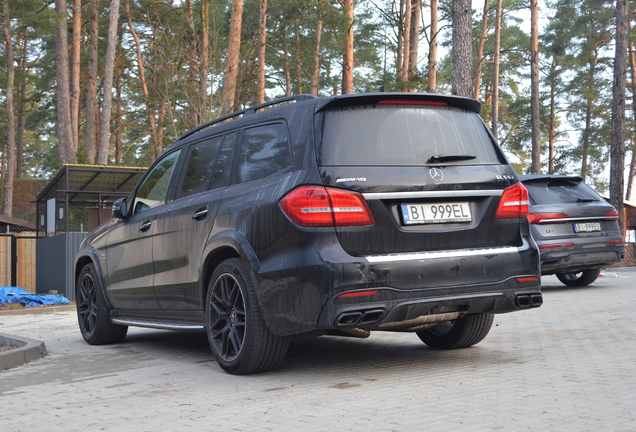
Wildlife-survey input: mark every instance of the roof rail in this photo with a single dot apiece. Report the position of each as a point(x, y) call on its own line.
point(248, 111)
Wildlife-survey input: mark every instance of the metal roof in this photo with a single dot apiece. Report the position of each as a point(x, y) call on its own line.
point(82, 181)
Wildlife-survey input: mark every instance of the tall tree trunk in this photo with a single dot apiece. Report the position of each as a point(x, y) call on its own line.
point(462, 56)
point(193, 67)
point(205, 60)
point(262, 46)
point(299, 67)
point(286, 68)
point(617, 150)
point(480, 50)
point(104, 128)
point(232, 60)
point(432, 50)
point(7, 208)
point(315, 79)
point(552, 130)
point(144, 87)
point(534, 85)
point(416, 17)
point(585, 139)
point(92, 109)
point(495, 84)
point(347, 58)
point(406, 33)
point(64, 133)
point(632, 166)
point(75, 72)
point(21, 105)
point(118, 121)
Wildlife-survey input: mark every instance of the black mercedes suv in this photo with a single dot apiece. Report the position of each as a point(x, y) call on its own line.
point(305, 215)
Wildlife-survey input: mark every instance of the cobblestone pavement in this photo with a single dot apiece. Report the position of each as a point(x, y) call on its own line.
point(567, 366)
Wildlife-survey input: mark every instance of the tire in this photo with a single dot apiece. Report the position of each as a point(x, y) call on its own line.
point(239, 338)
point(579, 279)
point(459, 333)
point(93, 314)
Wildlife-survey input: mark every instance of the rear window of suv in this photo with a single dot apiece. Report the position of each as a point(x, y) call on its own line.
point(560, 191)
point(399, 135)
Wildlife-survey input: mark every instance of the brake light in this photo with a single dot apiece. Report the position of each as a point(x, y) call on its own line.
point(539, 218)
point(318, 206)
point(555, 245)
point(611, 214)
point(359, 293)
point(514, 203)
point(412, 102)
point(617, 241)
point(527, 279)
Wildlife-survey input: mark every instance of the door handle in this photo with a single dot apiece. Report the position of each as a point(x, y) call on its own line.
point(145, 226)
point(200, 214)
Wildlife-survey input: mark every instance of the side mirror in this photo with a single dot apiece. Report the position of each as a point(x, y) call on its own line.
point(119, 209)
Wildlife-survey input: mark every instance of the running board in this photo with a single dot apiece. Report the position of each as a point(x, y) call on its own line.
point(156, 324)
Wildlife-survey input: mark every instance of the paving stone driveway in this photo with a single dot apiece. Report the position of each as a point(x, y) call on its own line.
point(569, 365)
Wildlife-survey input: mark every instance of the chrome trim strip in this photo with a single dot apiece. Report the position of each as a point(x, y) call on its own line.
point(157, 325)
point(432, 194)
point(547, 221)
point(414, 256)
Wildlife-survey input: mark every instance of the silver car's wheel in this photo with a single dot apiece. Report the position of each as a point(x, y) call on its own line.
point(578, 279)
point(459, 333)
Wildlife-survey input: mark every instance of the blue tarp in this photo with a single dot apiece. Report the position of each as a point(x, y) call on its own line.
point(19, 295)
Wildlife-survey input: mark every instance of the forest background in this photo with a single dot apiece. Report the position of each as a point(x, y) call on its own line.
point(115, 82)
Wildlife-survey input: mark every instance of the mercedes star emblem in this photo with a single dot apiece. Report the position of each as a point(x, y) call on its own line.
point(436, 174)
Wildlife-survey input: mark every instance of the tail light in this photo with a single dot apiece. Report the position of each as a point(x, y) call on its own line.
point(540, 218)
point(514, 203)
point(318, 206)
point(556, 245)
point(611, 215)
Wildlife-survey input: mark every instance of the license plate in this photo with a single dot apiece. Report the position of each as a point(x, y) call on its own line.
point(587, 227)
point(436, 213)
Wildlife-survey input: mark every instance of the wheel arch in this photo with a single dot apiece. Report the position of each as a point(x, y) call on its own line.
point(225, 245)
point(89, 256)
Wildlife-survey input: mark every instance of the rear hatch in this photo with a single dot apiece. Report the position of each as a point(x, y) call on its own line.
point(429, 169)
point(563, 207)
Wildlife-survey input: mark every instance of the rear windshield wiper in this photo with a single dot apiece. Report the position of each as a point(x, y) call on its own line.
point(582, 200)
point(449, 158)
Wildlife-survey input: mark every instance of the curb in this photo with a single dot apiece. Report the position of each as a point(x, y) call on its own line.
point(28, 350)
point(39, 310)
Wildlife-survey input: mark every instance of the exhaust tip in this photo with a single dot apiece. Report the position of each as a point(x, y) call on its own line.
point(348, 318)
point(537, 300)
point(372, 316)
point(523, 301)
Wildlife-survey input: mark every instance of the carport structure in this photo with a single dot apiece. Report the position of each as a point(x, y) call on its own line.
point(78, 198)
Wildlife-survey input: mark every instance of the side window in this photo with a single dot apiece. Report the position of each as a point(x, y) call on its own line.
point(265, 150)
point(223, 167)
point(200, 167)
point(154, 188)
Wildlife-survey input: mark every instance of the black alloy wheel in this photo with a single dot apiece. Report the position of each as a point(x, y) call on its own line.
point(239, 337)
point(227, 317)
point(93, 313)
point(87, 304)
point(460, 333)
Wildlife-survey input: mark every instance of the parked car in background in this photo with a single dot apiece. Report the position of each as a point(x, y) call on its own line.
point(306, 215)
point(576, 230)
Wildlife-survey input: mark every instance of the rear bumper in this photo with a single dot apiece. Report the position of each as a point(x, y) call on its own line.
point(303, 294)
point(580, 257)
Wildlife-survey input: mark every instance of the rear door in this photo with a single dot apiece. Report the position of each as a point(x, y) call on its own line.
point(183, 226)
point(431, 173)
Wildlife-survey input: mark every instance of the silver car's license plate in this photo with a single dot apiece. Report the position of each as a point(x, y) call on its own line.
point(436, 213)
point(587, 227)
